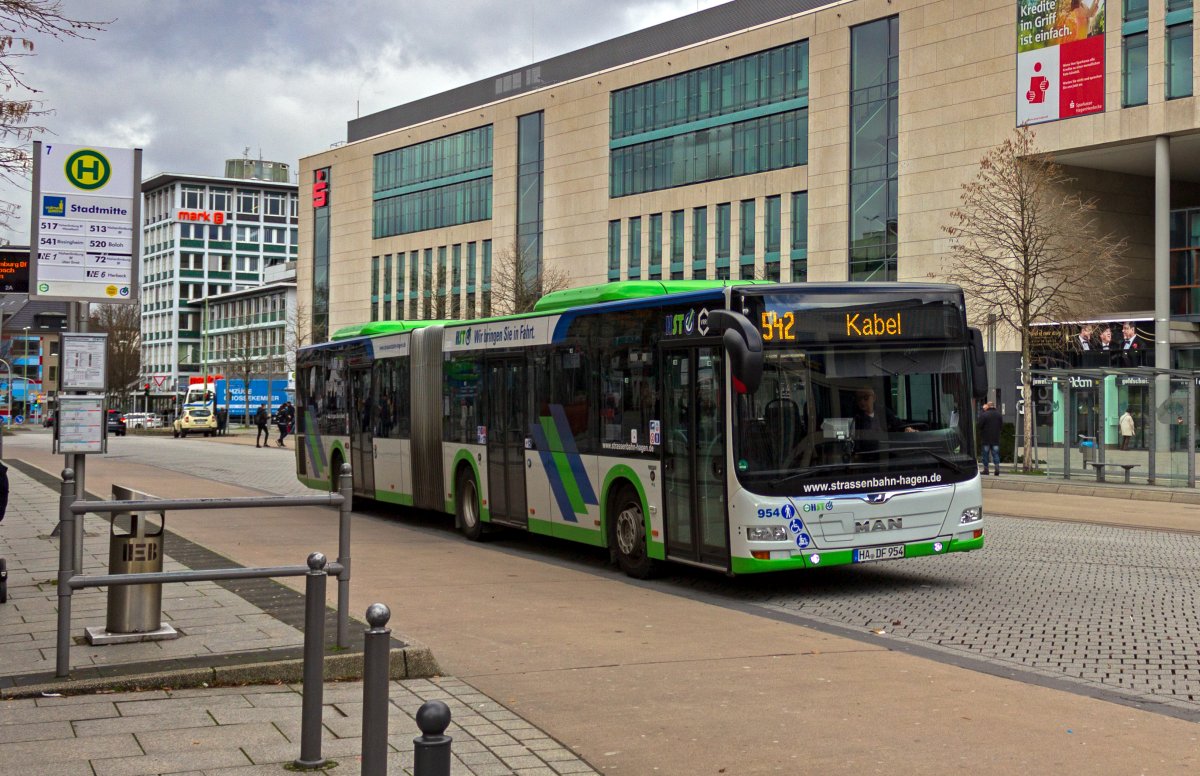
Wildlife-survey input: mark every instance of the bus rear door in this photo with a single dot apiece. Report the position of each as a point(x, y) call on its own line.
point(694, 455)
point(507, 419)
point(362, 443)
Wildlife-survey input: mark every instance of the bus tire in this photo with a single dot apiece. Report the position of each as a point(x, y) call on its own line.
point(628, 533)
point(466, 505)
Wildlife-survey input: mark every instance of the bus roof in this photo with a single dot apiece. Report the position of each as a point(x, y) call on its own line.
point(620, 291)
point(380, 327)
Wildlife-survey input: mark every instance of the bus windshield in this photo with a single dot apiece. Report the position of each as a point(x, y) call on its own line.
point(853, 419)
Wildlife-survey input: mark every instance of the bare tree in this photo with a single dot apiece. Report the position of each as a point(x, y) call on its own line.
point(243, 359)
point(1026, 248)
point(18, 116)
point(517, 283)
point(122, 323)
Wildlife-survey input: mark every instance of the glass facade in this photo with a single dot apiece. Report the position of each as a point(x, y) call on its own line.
point(739, 117)
point(320, 281)
point(772, 237)
point(746, 241)
point(677, 243)
point(700, 243)
point(724, 227)
point(438, 183)
point(614, 250)
point(874, 120)
point(799, 247)
point(656, 246)
point(529, 191)
point(635, 248)
point(1179, 49)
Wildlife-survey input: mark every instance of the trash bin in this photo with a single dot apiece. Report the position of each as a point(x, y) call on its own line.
point(1087, 446)
point(134, 608)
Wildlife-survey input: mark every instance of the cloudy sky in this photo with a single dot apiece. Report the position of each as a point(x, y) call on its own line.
point(195, 83)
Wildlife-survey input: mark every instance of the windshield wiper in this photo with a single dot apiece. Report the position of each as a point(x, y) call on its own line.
point(955, 465)
point(805, 473)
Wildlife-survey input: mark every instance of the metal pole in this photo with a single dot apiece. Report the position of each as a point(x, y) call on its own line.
point(431, 750)
point(66, 555)
point(346, 487)
point(1151, 426)
point(1191, 431)
point(1066, 403)
point(376, 650)
point(314, 677)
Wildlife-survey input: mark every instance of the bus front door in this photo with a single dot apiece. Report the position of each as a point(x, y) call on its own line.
point(362, 443)
point(694, 455)
point(507, 424)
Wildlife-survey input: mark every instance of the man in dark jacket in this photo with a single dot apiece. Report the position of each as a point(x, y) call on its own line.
point(990, 424)
point(263, 420)
point(284, 418)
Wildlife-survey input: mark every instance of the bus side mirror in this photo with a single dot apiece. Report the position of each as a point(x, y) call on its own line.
point(979, 381)
point(743, 343)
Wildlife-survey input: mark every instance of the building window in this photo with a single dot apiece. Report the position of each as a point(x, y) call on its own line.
point(219, 199)
point(529, 193)
point(191, 198)
point(438, 183)
point(1134, 49)
point(772, 236)
point(700, 243)
point(677, 242)
point(614, 250)
point(274, 204)
point(635, 248)
point(414, 269)
point(746, 243)
point(724, 226)
point(1179, 49)
point(441, 283)
point(427, 286)
point(455, 281)
point(247, 202)
point(874, 119)
point(695, 127)
point(486, 295)
point(799, 246)
point(387, 287)
point(374, 288)
point(656, 246)
point(248, 234)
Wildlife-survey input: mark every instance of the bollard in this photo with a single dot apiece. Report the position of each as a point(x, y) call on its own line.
point(376, 652)
point(66, 560)
point(314, 675)
point(346, 488)
point(431, 749)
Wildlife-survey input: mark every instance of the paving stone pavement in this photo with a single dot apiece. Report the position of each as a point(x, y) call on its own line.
point(223, 731)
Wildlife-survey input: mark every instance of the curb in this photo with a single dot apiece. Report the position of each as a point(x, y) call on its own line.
point(414, 661)
point(1075, 488)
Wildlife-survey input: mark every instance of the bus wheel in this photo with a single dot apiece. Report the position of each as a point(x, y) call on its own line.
point(467, 505)
point(629, 534)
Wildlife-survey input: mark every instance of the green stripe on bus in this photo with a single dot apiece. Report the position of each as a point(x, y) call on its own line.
point(390, 497)
point(846, 557)
point(566, 476)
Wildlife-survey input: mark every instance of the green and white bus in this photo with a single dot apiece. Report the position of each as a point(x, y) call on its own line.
point(739, 426)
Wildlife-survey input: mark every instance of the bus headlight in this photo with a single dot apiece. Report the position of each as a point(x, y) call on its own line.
point(766, 533)
point(971, 515)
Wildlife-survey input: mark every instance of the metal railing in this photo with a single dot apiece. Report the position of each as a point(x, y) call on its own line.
point(69, 579)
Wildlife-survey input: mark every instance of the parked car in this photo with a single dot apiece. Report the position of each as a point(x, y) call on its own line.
point(116, 423)
point(199, 420)
point(143, 420)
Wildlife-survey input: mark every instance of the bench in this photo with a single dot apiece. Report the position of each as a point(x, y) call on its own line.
point(1099, 467)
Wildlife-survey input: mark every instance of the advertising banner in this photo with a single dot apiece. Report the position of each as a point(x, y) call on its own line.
point(1060, 59)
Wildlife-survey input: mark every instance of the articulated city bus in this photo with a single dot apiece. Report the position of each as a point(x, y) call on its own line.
point(739, 426)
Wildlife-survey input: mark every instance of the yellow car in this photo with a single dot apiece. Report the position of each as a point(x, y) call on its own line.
point(196, 419)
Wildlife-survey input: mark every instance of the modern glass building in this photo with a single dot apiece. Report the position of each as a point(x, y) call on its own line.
point(203, 237)
point(792, 140)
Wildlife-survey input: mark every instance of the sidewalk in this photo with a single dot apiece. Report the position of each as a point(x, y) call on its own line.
point(97, 722)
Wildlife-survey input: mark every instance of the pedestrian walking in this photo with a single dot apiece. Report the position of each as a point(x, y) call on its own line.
point(284, 418)
point(1126, 427)
point(991, 422)
point(262, 420)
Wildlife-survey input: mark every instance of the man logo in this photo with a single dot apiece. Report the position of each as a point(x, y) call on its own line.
point(870, 526)
point(87, 169)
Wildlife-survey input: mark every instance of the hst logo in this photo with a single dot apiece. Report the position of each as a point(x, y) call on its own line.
point(462, 337)
point(687, 323)
point(871, 526)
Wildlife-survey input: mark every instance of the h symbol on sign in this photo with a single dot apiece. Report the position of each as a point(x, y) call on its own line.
point(85, 168)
